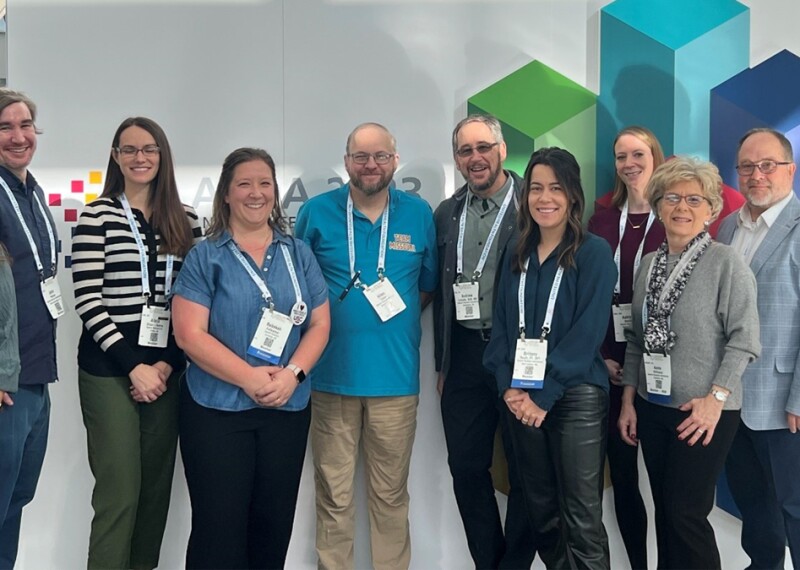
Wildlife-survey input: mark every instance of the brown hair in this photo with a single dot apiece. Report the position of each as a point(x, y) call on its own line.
point(168, 216)
point(221, 211)
point(620, 193)
point(568, 174)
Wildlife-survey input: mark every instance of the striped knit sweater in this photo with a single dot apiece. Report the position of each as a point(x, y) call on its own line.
point(108, 288)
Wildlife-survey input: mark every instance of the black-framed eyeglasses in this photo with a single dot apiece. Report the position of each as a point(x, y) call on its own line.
point(765, 166)
point(694, 200)
point(131, 151)
point(482, 148)
point(378, 157)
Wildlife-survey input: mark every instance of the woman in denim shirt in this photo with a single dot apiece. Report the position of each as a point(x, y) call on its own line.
point(244, 406)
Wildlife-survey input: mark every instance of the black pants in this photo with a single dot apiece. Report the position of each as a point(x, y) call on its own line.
point(561, 468)
point(623, 464)
point(470, 417)
point(243, 472)
point(683, 479)
point(762, 469)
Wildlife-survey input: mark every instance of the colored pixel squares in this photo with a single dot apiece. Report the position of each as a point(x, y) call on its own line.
point(763, 96)
point(540, 107)
point(657, 67)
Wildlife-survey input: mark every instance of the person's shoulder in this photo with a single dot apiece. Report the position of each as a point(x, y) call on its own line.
point(594, 245)
point(725, 255)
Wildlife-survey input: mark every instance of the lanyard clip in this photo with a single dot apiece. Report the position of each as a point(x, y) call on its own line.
point(475, 276)
point(545, 332)
point(522, 333)
point(381, 274)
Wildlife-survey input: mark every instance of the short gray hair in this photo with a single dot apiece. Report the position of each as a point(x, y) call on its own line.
point(788, 153)
point(488, 120)
point(686, 169)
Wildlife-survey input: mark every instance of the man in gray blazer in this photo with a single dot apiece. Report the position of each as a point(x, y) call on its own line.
point(764, 462)
point(473, 227)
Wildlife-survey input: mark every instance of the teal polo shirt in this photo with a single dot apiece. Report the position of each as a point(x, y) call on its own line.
point(364, 356)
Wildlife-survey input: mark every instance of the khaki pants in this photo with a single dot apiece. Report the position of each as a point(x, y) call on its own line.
point(385, 427)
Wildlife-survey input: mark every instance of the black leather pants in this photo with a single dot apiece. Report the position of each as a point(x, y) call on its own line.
point(561, 468)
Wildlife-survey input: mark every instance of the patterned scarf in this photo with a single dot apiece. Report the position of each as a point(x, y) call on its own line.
point(657, 336)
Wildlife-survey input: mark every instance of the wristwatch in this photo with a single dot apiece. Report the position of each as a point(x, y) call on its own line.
point(719, 395)
point(298, 372)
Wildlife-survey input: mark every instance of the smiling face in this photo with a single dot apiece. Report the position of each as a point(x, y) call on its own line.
point(17, 139)
point(633, 159)
point(370, 178)
point(681, 221)
point(547, 200)
point(764, 190)
point(139, 169)
point(481, 171)
point(251, 196)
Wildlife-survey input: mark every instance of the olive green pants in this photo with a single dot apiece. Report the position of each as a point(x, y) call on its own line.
point(132, 457)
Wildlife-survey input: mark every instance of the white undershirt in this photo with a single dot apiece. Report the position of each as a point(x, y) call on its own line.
point(750, 234)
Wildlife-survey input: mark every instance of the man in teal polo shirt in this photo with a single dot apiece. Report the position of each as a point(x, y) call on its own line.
point(376, 246)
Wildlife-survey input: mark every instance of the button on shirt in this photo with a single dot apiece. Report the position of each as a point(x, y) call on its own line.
point(750, 234)
point(37, 329)
point(212, 276)
point(480, 217)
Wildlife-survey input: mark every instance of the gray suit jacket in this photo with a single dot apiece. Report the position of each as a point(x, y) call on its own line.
point(772, 383)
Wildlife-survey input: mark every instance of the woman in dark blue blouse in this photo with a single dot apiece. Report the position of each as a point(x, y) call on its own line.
point(545, 356)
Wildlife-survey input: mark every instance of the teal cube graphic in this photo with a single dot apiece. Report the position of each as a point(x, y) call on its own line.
point(659, 60)
point(539, 107)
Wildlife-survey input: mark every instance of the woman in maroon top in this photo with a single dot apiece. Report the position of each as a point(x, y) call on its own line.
point(626, 217)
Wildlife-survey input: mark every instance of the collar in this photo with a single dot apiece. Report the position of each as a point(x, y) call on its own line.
point(344, 191)
point(14, 183)
point(768, 217)
point(497, 197)
point(277, 237)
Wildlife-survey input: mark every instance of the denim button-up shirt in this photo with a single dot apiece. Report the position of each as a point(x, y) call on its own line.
point(212, 276)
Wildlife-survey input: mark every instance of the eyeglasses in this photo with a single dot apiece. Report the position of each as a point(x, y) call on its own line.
point(482, 148)
point(131, 151)
point(694, 200)
point(765, 166)
point(379, 157)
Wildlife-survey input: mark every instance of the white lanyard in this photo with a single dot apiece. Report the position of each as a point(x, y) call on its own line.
point(262, 286)
point(551, 301)
point(462, 224)
point(50, 233)
point(623, 220)
point(143, 253)
point(351, 247)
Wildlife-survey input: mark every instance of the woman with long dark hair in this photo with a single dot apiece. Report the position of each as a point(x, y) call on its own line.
point(550, 318)
point(126, 253)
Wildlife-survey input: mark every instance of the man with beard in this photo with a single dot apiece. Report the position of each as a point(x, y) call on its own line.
point(28, 231)
point(376, 246)
point(764, 459)
point(473, 227)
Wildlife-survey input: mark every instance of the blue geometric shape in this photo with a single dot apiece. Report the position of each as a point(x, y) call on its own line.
point(763, 96)
point(657, 67)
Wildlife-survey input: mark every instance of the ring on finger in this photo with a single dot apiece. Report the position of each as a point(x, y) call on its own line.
point(701, 431)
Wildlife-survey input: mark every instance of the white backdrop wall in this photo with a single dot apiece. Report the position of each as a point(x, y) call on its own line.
point(292, 76)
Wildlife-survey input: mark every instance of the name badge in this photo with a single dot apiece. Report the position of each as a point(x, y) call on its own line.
point(530, 360)
point(51, 293)
point(154, 328)
point(623, 318)
point(466, 297)
point(658, 371)
point(271, 336)
point(385, 299)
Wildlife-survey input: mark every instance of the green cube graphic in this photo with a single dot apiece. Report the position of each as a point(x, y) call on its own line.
point(539, 107)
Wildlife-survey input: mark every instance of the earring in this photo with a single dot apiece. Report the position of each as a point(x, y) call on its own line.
point(707, 223)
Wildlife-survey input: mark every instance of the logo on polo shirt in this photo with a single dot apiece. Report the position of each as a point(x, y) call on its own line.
point(402, 242)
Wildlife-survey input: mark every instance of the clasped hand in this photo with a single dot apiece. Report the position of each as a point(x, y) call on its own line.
point(523, 408)
point(272, 386)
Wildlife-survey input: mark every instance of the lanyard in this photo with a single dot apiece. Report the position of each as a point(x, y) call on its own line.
point(50, 233)
point(623, 220)
point(260, 283)
point(143, 253)
point(351, 247)
point(462, 224)
point(551, 301)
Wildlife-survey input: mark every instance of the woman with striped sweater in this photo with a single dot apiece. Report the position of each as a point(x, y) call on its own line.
point(127, 250)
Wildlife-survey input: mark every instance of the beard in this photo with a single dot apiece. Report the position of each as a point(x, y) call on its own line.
point(493, 174)
point(371, 189)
